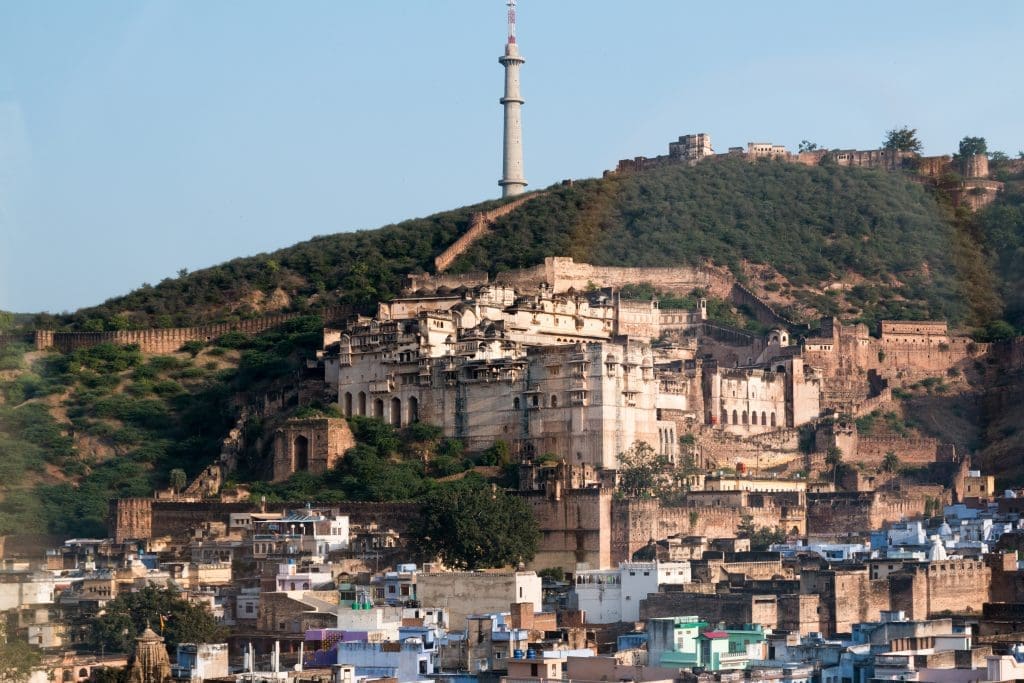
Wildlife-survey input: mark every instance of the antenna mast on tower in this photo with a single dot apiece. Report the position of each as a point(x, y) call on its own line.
point(511, 21)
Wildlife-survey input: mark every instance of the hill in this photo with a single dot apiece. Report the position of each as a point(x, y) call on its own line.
point(856, 243)
point(79, 429)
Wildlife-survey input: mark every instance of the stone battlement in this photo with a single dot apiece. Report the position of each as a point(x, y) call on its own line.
point(157, 340)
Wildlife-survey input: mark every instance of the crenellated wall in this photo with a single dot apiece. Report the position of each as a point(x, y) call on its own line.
point(160, 340)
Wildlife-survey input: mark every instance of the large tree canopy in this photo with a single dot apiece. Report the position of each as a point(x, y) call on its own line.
point(128, 614)
point(902, 140)
point(470, 525)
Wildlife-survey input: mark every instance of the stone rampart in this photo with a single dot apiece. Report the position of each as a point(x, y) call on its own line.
point(951, 585)
point(562, 274)
point(831, 515)
point(479, 224)
point(575, 527)
point(20, 338)
point(871, 450)
point(425, 281)
point(169, 340)
point(765, 314)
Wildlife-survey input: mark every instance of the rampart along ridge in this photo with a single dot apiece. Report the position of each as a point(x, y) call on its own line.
point(158, 340)
point(478, 226)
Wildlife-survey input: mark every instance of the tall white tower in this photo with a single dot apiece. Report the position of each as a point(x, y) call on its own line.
point(512, 181)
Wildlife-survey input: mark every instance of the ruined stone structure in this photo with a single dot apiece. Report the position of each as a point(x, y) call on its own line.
point(311, 445)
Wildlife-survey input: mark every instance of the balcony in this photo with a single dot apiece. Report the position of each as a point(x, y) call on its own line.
point(385, 386)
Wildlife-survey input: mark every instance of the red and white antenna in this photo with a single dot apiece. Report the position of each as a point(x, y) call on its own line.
point(511, 21)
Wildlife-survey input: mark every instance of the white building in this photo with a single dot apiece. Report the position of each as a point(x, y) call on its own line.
point(608, 596)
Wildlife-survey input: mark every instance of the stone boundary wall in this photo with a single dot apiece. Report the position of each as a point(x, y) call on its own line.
point(161, 340)
point(837, 514)
point(479, 224)
point(562, 273)
point(1009, 354)
point(773, 449)
point(871, 450)
point(764, 313)
point(870, 404)
point(24, 338)
point(426, 281)
point(636, 522)
point(912, 361)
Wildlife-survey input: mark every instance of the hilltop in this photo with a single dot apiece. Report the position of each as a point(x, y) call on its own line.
point(860, 244)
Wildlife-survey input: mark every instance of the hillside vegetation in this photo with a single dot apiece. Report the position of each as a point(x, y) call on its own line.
point(855, 243)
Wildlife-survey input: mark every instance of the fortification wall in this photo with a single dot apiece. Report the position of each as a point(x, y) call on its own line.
point(871, 450)
point(951, 585)
point(773, 449)
point(830, 515)
point(912, 360)
point(22, 338)
point(426, 281)
point(575, 528)
point(765, 314)
point(636, 522)
point(479, 224)
point(169, 340)
point(562, 273)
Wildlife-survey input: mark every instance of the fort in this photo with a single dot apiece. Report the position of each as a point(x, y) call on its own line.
point(975, 190)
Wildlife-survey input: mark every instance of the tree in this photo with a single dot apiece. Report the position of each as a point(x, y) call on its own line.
point(807, 146)
point(902, 140)
point(178, 479)
point(128, 614)
point(834, 458)
point(891, 462)
point(17, 659)
point(641, 470)
point(470, 525)
point(765, 537)
point(970, 146)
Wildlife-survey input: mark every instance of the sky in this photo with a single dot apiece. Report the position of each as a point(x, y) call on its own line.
point(141, 137)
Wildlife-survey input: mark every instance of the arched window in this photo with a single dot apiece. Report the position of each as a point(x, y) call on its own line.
point(744, 416)
point(515, 403)
point(725, 417)
point(773, 418)
point(414, 409)
point(348, 404)
point(396, 411)
point(83, 673)
point(554, 401)
point(735, 418)
point(300, 453)
point(67, 675)
point(764, 419)
point(378, 408)
point(362, 403)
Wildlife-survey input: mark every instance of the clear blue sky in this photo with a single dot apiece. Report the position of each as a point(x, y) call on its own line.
point(141, 137)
